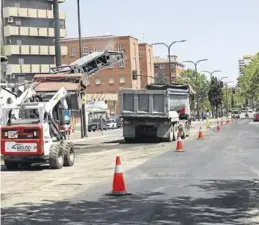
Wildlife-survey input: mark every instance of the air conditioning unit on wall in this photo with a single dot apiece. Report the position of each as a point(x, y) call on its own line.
point(10, 19)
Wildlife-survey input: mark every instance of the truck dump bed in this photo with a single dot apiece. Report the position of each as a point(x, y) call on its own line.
point(155, 101)
point(145, 103)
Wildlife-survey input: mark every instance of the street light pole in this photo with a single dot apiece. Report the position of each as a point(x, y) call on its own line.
point(82, 111)
point(211, 73)
point(57, 32)
point(169, 53)
point(196, 74)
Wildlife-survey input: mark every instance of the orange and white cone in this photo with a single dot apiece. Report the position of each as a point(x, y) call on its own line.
point(118, 187)
point(179, 144)
point(200, 135)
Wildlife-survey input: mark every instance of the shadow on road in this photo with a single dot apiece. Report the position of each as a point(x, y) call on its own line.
point(229, 204)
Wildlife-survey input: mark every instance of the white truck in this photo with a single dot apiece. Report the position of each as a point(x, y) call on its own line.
point(159, 111)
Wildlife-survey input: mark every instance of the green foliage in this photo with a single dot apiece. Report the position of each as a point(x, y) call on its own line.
point(200, 85)
point(249, 81)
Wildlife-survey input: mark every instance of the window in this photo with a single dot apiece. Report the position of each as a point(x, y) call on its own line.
point(156, 66)
point(85, 51)
point(122, 79)
point(18, 22)
point(110, 48)
point(172, 65)
point(97, 80)
point(122, 63)
point(111, 80)
point(162, 66)
point(96, 48)
point(139, 53)
point(21, 61)
point(19, 42)
point(72, 51)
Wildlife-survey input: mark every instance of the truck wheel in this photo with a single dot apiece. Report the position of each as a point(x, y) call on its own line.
point(56, 157)
point(170, 137)
point(10, 165)
point(175, 132)
point(69, 151)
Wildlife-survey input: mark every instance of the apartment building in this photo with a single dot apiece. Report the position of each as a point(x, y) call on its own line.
point(146, 64)
point(161, 66)
point(28, 27)
point(106, 84)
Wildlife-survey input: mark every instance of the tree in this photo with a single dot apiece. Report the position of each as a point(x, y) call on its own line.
point(200, 85)
point(160, 78)
point(248, 82)
point(215, 95)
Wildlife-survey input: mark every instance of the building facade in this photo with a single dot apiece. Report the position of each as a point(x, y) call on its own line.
point(106, 84)
point(28, 28)
point(146, 64)
point(161, 67)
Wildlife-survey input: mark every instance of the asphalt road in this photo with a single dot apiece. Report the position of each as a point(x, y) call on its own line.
point(210, 183)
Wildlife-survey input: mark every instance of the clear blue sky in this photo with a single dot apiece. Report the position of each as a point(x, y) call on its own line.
point(220, 30)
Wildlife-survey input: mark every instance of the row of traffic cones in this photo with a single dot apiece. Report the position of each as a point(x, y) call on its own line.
point(119, 187)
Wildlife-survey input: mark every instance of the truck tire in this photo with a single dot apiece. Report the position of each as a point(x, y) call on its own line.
point(69, 154)
point(175, 132)
point(11, 165)
point(170, 137)
point(56, 157)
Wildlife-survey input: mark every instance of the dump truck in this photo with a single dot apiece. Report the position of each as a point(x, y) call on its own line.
point(159, 110)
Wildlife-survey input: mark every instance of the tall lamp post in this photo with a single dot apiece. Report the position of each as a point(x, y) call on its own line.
point(169, 53)
point(211, 73)
point(196, 74)
point(83, 116)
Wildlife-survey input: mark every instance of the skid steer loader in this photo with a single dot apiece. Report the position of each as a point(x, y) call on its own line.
point(30, 130)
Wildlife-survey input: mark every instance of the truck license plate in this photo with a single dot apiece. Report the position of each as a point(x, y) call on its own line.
point(20, 147)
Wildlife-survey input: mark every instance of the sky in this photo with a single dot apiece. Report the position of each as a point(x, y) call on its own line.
point(219, 30)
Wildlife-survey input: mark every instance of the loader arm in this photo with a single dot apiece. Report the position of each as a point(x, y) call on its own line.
point(91, 64)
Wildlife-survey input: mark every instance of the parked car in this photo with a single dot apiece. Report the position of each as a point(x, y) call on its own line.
point(111, 124)
point(256, 115)
point(93, 125)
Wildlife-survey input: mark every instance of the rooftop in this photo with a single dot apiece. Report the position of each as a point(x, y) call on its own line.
point(96, 37)
point(166, 60)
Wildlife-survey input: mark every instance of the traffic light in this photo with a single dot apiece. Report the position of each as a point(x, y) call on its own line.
point(134, 75)
point(221, 84)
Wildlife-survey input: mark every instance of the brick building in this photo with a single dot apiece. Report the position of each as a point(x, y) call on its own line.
point(161, 66)
point(106, 84)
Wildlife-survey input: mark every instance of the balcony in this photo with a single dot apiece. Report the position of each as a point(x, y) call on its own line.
point(30, 13)
point(32, 50)
point(32, 31)
point(29, 68)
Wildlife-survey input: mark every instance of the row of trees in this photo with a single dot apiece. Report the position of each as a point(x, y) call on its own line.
point(212, 94)
point(248, 82)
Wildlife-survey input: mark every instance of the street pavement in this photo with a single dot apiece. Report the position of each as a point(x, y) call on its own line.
point(211, 182)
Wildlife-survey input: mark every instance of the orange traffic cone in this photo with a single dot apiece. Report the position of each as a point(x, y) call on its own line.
point(218, 127)
point(118, 187)
point(179, 144)
point(200, 136)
